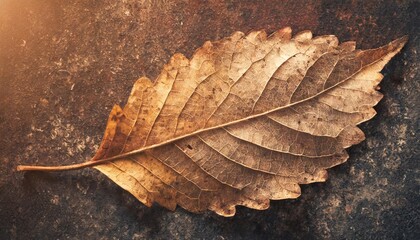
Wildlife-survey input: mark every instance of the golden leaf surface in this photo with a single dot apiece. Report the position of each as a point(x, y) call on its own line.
point(247, 119)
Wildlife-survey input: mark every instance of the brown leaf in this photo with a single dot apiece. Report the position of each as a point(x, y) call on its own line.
point(246, 120)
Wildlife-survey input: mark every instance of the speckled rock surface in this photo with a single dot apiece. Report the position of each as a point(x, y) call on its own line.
point(64, 64)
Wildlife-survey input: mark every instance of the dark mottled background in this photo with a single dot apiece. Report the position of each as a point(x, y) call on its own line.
point(63, 64)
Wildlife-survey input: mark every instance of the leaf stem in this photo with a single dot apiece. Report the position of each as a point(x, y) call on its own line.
point(58, 168)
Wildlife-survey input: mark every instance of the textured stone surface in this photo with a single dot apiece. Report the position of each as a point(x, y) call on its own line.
point(63, 64)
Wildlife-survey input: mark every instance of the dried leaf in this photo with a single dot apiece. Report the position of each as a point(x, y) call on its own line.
point(246, 120)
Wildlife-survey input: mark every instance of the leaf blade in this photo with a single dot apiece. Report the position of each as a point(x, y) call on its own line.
point(244, 182)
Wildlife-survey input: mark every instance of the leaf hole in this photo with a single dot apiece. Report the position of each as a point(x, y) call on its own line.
point(189, 147)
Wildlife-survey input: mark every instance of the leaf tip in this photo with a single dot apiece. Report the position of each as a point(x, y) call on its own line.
point(399, 43)
point(404, 39)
